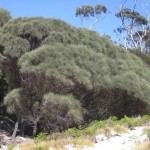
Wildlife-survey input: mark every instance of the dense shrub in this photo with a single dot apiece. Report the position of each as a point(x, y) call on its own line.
point(109, 79)
point(4, 16)
point(59, 75)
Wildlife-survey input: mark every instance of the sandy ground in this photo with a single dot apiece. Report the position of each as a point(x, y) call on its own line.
point(124, 141)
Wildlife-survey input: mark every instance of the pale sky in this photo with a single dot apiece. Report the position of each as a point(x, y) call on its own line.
point(65, 10)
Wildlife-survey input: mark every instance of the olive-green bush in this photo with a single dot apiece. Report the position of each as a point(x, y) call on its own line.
point(69, 75)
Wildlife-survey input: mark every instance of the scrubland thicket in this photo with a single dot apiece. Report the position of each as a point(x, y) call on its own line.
point(55, 76)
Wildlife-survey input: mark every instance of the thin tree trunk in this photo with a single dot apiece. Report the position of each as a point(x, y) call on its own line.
point(22, 129)
point(34, 128)
point(15, 129)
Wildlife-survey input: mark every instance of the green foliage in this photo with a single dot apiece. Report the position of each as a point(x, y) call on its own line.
point(145, 57)
point(12, 46)
point(114, 118)
point(12, 100)
point(74, 133)
point(29, 27)
point(57, 37)
point(58, 74)
point(29, 32)
point(93, 127)
point(130, 122)
point(42, 136)
point(67, 104)
point(90, 130)
point(87, 11)
point(104, 126)
point(145, 119)
point(133, 122)
point(4, 16)
point(98, 124)
point(107, 68)
point(133, 27)
point(127, 13)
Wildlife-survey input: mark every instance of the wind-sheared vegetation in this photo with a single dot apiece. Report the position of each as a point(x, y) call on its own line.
point(58, 76)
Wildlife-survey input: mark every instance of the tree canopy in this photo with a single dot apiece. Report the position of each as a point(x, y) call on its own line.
point(59, 76)
point(87, 12)
point(134, 27)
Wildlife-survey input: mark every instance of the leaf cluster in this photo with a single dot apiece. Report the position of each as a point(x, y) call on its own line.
point(87, 11)
point(128, 14)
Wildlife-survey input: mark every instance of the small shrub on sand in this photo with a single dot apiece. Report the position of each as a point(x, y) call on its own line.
point(40, 137)
point(74, 133)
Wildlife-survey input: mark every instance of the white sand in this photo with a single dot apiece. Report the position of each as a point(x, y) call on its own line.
point(119, 142)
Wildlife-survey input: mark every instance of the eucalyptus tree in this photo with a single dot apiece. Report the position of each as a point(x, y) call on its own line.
point(147, 41)
point(89, 13)
point(133, 28)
